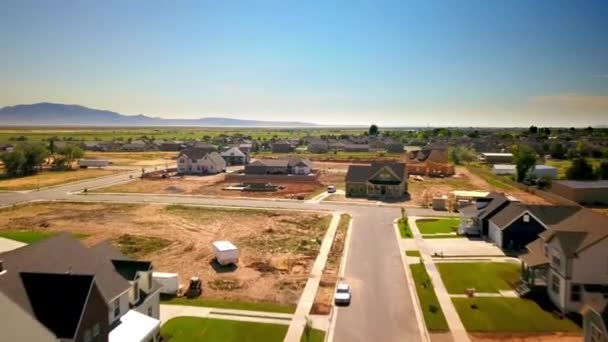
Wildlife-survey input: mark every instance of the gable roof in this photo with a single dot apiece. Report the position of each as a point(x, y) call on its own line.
point(128, 268)
point(215, 158)
point(233, 151)
point(271, 162)
point(579, 230)
point(48, 292)
point(496, 202)
point(59, 254)
point(548, 215)
point(361, 173)
point(535, 256)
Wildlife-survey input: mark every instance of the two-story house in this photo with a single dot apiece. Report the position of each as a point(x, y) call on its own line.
point(571, 258)
point(118, 297)
point(234, 156)
point(199, 161)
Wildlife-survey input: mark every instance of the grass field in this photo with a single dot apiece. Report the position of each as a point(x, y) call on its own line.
point(433, 315)
point(50, 178)
point(412, 253)
point(492, 179)
point(135, 159)
point(171, 133)
point(509, 315)
point(31, 236)
point(404, 229)
point(563, 165)
point(188, 329)
point(483, 276)
point(231, 304)
point(437, 226)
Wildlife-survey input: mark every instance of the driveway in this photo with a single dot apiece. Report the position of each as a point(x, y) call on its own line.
point(462, 247)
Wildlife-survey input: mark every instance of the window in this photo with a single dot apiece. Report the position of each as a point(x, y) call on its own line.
point(96, 330)
point(556, 261)
point(575, 292)
point(116, 307)
point(596, 334)
point(181, 161)
point(87, 335)
point(526, 218)
point(150, 311)
point(555, 283)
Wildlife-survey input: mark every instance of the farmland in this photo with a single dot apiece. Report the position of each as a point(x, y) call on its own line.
point(277, 247)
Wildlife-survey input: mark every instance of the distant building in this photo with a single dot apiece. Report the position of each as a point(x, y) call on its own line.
point(431, 160)
point(234, 156)
point(283, 166)
point(583, 192)
point(318, 146)
point(394, 147)
point(204, 147)
point(6, 148)
point(282, 146)
point(198, 161)
point(540, 171)
point(134, 146)
point(378, 180)
point(356, 147)
point(496, 158)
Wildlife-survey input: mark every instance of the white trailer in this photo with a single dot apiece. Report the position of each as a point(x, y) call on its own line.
point(168, 281)
point(225, 252)
point(84, 163)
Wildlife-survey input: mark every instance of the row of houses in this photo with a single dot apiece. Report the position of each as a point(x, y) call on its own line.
point(60, 290)
point(317, 145)
point(564, 248)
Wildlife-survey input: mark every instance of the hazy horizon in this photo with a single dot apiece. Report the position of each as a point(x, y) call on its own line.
point(399, 64)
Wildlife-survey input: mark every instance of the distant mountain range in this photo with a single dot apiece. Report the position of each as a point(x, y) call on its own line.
point(54, 114)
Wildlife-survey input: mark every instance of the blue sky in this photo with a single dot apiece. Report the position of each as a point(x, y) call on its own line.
point(431, 62)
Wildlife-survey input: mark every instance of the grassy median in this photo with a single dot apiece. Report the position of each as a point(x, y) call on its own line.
point(433, 315)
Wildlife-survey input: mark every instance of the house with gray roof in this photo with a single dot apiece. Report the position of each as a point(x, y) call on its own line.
point(199, 161)
point(474, 218)
point(377, 180)
point(79, 293)
point(234, 156)
point(569, 258)
point(281, 166)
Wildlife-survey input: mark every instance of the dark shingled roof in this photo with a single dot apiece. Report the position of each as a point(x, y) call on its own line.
point(497, 201)
point(195, 152)
point(128, 268)
point(58, 254)
point(58, 300)
point(535, 256)
point(549, 215)
point(361, 173)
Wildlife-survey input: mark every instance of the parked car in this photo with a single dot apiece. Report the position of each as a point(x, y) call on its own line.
point(331, 189)
point(342, 296)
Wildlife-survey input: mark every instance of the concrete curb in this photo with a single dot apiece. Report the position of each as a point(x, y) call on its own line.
point(333, 315)
point(424, 333)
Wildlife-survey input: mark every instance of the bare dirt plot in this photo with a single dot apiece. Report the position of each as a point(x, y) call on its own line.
point(512, 337)
point(325, 293)
point(213, 185)
point(277, 248)
point(50, 178)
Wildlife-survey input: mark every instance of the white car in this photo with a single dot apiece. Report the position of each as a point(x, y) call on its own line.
point(342, 296)
point(331, 189)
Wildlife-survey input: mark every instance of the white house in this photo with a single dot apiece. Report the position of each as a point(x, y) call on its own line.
point(571, 258)
point(198, 161)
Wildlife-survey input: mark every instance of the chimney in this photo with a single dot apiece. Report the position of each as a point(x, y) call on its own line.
point(69, 271)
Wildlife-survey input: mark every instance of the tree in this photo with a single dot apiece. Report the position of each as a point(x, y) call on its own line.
point(459, 155)
point(525, 159)
point(601, 171)
point(24, 159)
point(580, 170)
point(558, 151)
point(68, 154)
point(533, 129)
point(373, 130)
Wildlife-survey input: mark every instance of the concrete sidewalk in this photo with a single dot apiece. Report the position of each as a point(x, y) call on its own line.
point(310, 290)
point(457, 329)
point(8, 244)
point(169, 311)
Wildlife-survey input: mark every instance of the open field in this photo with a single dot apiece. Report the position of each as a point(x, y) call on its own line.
point(431, 310)
point(509, 315)
point(50, 178)
point(438, 225)
point(563, 165)
point(277, 247)
point(170, 133)
point(339, 156)
point(188, 329)
point(482, 276)
point(31, 236)
point(325, 293)
point(136, 158)
point(212, 185)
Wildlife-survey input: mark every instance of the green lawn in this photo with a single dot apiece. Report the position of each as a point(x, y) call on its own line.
point(404, 229)
point(31, 236)
point(509, 315)
point(229, 304)
point(412, 253)
point(443, 236)
point(438, 225)
point(433, 315)
point(483, 276)
point(563, 165)
point(489, 177)
point(188, 329)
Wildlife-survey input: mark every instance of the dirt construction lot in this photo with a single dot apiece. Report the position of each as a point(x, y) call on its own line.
point(277, 248)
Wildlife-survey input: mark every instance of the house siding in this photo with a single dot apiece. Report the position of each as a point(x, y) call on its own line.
point(495, 234)
point(518, 234)
point(124, 301)
point(94, 313)
point(590, 319)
